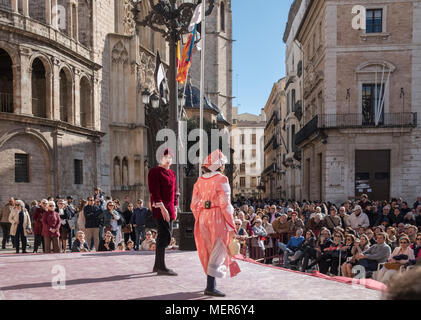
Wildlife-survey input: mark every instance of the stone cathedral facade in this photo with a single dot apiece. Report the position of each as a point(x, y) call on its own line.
point(71, 113)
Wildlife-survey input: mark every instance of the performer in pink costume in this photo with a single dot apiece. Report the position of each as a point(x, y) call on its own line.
point(212, 209)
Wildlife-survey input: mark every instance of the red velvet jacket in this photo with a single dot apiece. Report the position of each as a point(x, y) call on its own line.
point(163, 187)
point(51, 219)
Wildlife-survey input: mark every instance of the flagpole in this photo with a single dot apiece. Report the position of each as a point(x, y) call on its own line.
point(202, 82)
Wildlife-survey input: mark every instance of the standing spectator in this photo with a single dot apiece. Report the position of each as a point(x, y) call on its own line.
point(281, 227)
point(38, 239)
point(81, 221)
point(358, 219)
point(376, 254)
point(111, 218)
point(128, 229)
point(138, 220)
point(409, 218)
point(20, 225)
point(257, 242)
point(99, 195)
point(404, 208)
point(93, 216)
point(64, 227)
point(31, 211)
point(269, 242)
point(273, 214)
point(332, 220)
point(126, 204)
point(72, 225)
point(5, 223)
point(51, 228)
point(245, 223)
point(107, 244)
point(80, 244)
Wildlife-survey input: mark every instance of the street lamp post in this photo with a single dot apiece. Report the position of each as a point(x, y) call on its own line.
point(171, 18)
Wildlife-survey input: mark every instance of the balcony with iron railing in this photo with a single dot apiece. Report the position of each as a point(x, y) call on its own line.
point(6, 102)
point(355, 121)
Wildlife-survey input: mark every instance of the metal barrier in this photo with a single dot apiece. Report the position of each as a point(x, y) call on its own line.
point(262, 249)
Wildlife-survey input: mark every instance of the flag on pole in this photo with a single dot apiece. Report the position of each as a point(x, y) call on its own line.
point(197, 17)
point(161, 80)
point(185, 62)
point(196, 22)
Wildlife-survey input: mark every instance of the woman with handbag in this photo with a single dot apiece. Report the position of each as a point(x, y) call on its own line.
point(128, 229)
point(65, 226)
point(214, 227)
point(399, 257)
point(21, 225)
point(358, 248)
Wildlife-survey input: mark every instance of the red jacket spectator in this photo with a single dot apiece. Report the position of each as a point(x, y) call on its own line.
point(51, 220)
point(38, 221)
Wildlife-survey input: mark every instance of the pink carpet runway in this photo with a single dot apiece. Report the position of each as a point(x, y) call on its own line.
point(127, 276)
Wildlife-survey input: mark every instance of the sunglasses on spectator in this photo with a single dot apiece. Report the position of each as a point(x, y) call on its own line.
point(418, 239)
point(51, 206)
point(402, 242)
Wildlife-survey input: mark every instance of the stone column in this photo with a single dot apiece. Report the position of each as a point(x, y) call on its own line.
point(69, 19)
point(55, 106)
point(76, 23)
point(48, 12)
point(76, 119)
point(25, 8)
point(54, 14)
point(24, 77)
point(15, 6)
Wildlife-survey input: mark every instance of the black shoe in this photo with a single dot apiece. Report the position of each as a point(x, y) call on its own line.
point(24, 251)
point(167, 272)
point(155, 269)
point(214, 293)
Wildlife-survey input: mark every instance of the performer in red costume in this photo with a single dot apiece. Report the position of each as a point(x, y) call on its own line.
point(163, 191)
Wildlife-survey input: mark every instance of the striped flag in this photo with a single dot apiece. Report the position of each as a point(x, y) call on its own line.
point(185, 62)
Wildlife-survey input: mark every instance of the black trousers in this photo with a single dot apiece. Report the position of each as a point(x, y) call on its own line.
point(38, 240)
point(20, 236)
point(163, 238)
point(5, 228)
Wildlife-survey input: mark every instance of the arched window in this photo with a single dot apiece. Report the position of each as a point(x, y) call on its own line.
point(222, 17)
point(86, 112)
point(125, 172)
point(6, 82)
point(117, 172)
point(39, 87)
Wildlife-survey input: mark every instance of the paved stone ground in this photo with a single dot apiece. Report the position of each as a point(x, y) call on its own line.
point(126, 275)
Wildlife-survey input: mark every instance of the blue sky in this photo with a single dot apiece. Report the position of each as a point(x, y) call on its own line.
point(259, 51)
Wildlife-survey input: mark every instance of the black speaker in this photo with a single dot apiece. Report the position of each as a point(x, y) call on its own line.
point(186, 228)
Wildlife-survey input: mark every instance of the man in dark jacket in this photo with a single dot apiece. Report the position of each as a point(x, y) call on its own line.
point(138, 220)
point(93, 216)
